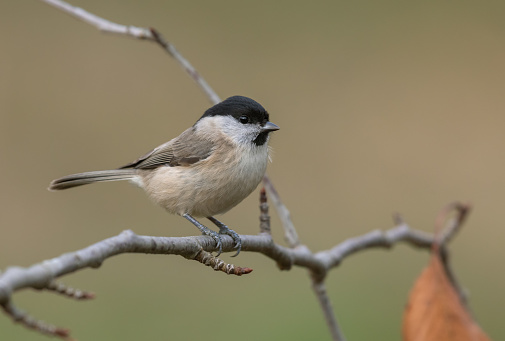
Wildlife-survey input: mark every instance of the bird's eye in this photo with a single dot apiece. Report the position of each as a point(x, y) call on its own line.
point(244, 119)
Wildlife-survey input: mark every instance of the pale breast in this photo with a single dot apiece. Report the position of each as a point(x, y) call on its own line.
point(209, 187)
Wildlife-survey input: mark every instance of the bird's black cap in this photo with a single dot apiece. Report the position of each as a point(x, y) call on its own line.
point(237, 106)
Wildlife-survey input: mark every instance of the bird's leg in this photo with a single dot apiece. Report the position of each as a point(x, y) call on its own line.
point(223, 229)
point(206, 231)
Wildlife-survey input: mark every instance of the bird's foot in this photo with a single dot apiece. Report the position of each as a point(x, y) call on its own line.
point(223, 229)
point(207, 232)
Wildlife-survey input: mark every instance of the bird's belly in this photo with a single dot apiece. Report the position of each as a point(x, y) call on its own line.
point(204, 189)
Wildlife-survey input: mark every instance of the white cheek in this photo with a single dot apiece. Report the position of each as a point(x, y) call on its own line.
point(239, 133)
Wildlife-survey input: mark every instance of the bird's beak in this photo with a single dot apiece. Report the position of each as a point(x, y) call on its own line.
point(269, 126)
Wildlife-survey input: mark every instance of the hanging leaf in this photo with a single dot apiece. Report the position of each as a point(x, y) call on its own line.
point(435, 311)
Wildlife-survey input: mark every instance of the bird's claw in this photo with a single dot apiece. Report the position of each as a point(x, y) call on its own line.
point(207, 232)
point(234, 235)
point(217, 239)
point(223, 229)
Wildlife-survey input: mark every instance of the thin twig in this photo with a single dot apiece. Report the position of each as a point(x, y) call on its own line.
point(206, 258)
point(69, 292)
point(191, 71)
point(102, 24)
point(324, 301)
point(149, 34)
point(26, 320)
point(445, 230)
point(398, 219)
point(264, 215)
point(290, 234)
point(317, 277)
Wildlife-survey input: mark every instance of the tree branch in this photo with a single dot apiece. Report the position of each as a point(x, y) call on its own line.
point(290, 235)
point(69, 292)
point(324, 301)
point(150, 34)
point(26, 320)
point(42, 275)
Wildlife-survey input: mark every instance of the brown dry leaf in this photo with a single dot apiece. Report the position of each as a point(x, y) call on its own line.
point(435, 311)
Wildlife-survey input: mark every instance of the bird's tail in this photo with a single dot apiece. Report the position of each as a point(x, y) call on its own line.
point(80, 179)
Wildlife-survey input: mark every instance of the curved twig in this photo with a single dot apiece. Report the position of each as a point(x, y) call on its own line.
point(143, 33)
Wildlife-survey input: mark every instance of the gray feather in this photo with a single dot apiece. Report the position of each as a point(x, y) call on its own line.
point(186, 149)
point(80, 179)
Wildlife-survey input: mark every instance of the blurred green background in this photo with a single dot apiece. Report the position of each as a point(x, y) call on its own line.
point(384, 106)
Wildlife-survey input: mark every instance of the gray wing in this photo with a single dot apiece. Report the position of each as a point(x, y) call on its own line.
point(184, 150)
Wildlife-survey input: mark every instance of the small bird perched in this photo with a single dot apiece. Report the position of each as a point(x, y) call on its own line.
point(207, 170)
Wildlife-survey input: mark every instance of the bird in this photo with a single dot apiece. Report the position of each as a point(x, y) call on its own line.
point(205, 171)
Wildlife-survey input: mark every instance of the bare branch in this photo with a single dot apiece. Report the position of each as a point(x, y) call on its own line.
point(69, 292)
point(150, 34)
point(102, 24)
point(325, 303)
point(318, 285)
point(31, 323)
point(446, 228)
point(191, 71)
point(290, 234)
point(217, 264)
point(41, 275)
point(264, 215)
point(375, 239)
